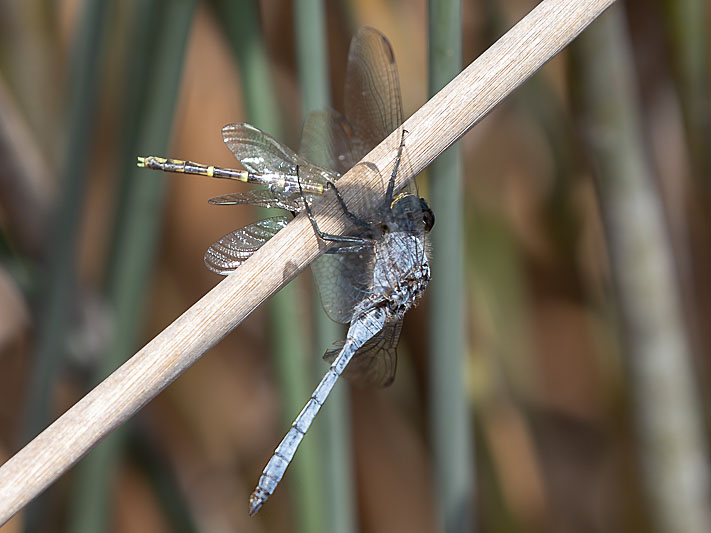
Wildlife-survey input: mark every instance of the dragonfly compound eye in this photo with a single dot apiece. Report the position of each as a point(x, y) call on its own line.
point(428, 218)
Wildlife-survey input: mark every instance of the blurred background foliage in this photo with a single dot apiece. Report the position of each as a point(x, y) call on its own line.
point(96, 257)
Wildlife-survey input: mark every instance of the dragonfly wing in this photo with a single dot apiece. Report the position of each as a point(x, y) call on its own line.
point(372, 99)
point(256, 197)
point(374, 364)
point(258, 151)
point(343, 280)
point(263, 155)
point(233, 249)
point(327, 139)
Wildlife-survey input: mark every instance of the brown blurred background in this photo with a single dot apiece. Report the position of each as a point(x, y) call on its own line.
point(551, 380)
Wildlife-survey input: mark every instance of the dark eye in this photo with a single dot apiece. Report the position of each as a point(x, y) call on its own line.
point(428, 219)
point(427, 215)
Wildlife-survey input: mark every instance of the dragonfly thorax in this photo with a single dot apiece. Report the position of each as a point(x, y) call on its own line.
point(401, 272)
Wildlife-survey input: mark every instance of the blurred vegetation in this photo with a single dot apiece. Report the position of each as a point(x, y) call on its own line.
point(554, 366)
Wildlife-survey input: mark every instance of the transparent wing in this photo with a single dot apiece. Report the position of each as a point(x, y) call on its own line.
point(342, 279)
point(256, 197)
point(233, 249)
point(327, 140)
point(375, 362)
point(258, 151)
point(372, 95)
point(373, 111)
point(372, 99)
point(273, 162)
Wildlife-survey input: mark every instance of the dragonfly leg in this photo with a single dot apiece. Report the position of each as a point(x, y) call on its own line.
point(351, 216)
point(391, 184)
point(348, 249)
point(331, 237)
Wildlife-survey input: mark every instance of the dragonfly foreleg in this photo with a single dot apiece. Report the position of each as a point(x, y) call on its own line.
point(352, 249)
point(391, 184)
point(351, 216)
point(331, 237)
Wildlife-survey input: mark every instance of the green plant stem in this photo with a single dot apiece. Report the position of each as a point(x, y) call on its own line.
point(450, 417)
point(241, 22)
point(54, 310)
point(334, 429)
point(154, 67)
point(311, 50)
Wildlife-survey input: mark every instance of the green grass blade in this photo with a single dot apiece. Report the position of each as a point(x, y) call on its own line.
point(156, 61)
point(85, 70)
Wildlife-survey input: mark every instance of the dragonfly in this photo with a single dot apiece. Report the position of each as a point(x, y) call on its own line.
point(368, 278)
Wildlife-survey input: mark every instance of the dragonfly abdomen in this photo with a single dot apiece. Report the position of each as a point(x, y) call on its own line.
point(361, 330)
point(285, 181)
point(190, 167)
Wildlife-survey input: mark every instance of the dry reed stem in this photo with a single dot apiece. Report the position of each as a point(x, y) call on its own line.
point(440, 122)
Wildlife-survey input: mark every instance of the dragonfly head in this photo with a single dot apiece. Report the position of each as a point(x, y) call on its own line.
point(412, 213)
